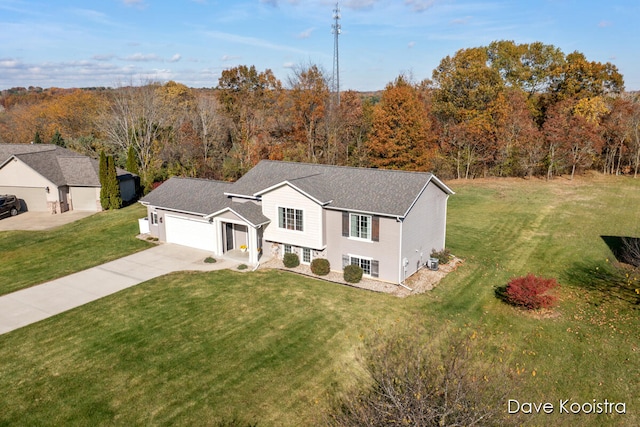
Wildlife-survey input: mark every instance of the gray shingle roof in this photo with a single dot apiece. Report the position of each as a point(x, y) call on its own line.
point(203, 197)
point(381, 191)
point(59, 165)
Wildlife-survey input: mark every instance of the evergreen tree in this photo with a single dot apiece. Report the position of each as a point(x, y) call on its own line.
point(104, 191)
point(57, 139)
point(132, 161)
point(115, 198)
point(37, 139)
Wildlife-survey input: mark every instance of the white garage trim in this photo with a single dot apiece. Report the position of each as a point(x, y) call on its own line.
point(33, 199)
point(191, 232)
point(85, 198)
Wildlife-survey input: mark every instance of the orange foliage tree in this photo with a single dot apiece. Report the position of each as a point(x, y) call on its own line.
point(400, 130)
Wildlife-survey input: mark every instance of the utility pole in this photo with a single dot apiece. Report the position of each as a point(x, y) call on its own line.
point(336, 29)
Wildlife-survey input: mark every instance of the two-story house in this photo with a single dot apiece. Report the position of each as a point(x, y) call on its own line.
point(387, 222)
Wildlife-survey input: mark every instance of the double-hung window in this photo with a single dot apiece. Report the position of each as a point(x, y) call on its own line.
point(360, 226)
point(290, 219)
point(154, 218)
point(364, 264)
point(370, 267)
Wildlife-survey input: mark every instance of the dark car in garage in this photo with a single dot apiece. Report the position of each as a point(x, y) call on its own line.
point(9, 205)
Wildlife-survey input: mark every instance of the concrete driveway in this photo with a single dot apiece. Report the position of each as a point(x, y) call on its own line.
point(39, 302)
point(40, 220)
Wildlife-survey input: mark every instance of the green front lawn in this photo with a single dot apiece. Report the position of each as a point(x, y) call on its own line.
point(32, 257)
point(272, 347)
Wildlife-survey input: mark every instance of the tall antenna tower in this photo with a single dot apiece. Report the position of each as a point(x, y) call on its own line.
point(336, 29)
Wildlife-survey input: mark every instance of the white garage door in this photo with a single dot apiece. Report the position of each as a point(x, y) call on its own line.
point(31, 198)
point(85, 198)
point(191, 232)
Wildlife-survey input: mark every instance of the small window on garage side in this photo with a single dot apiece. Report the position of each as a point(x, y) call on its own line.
point(154, 218)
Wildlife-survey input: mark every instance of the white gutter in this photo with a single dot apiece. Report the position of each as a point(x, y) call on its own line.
point(406, 287)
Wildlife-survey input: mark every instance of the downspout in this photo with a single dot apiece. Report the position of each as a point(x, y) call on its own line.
point(406, 287)
point(400, 275)
point(401, 272)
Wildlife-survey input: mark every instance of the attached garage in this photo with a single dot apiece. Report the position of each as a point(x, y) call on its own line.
point(85, 198)
point(191, 232)
point(32, 198)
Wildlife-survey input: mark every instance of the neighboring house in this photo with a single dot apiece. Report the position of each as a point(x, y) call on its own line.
point(387, 222)
point(53, 179)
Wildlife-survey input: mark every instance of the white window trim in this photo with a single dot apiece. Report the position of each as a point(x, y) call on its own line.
point(304, 219)
point(361, 239)
point(365, 258)
point(154, 218)
point(302, 261)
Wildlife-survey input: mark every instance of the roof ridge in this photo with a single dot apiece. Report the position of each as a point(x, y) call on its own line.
point(345, 167)
point(199, 179)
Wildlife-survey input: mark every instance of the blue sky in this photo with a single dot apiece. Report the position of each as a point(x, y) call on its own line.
point(79, 43)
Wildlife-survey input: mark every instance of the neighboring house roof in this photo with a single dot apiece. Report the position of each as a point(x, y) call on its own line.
point(380, 191)
point(203, 197)
point(57, 164)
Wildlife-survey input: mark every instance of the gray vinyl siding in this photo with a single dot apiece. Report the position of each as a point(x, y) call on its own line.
point(385, 251)
point(424, 227)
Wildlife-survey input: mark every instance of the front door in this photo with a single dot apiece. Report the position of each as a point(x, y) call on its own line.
point(228, 231)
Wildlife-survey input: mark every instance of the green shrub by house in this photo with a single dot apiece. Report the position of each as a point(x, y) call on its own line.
point(443, 256)
point(291, 260)
point(352, 273)
point(320, 266)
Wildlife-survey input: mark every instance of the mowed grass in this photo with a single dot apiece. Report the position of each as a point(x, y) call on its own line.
point(272, 348)
point(33, 257)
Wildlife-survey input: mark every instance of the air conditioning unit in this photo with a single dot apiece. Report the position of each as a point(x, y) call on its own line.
point(433, 264)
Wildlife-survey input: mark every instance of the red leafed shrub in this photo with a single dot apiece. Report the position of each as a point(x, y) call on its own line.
point(530, 292)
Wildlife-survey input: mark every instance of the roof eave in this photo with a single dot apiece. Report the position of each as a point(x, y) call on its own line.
point(229, 209)
point(298, 189)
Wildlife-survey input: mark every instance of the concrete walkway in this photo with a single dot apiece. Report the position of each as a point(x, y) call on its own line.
point(39, 302)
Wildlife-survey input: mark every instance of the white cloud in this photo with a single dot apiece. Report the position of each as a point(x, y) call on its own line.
point(420, 5)
point(306, 33)
point(360, 4)
point(135, 3)
point(251, 41)
point(411, 44)
point(143, 57)
point(103, 57)
point(175, 58)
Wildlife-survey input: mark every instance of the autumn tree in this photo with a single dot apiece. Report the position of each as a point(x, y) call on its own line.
point(208, 124)
point(572, 138)
point(400, 137)
point(466, 99)
point(520, 151)
point(634, 141)
point(351, 122)
point(134, 117)
point(309, 107)
point(246, 97)
point(579, 78)
point(617, 134)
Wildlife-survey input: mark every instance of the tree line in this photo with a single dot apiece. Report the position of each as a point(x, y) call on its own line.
point(505, 109)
